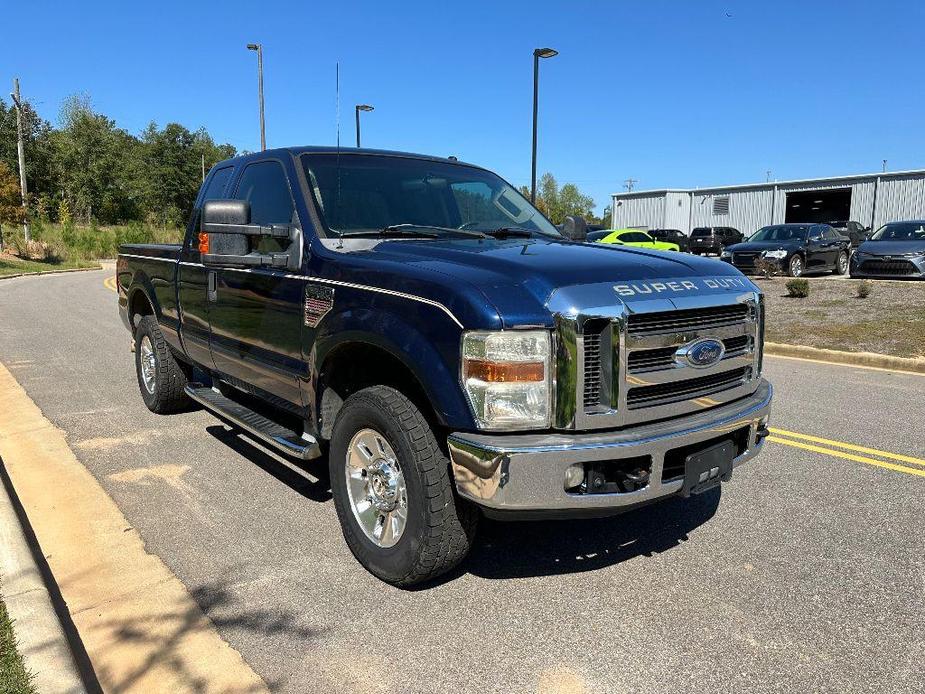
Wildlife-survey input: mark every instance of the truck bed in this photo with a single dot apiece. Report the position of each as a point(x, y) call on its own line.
point(167, 251)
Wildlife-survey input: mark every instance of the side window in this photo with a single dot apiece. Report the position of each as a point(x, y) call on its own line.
point(815, 233)
point(831, 234)
point(215, 190)
point(263, 184)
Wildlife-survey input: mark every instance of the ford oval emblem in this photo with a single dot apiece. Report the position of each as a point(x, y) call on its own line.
point(701, 353)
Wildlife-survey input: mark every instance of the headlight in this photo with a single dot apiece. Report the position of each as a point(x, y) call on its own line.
point(725, 254)
point(507, 377)
point(779, 254)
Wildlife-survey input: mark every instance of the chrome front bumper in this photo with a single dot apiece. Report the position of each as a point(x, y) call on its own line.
point(526, 472)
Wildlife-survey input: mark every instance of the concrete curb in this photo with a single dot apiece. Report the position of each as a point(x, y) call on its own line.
point(42, 641)
point(833, 356)
point(51, 272)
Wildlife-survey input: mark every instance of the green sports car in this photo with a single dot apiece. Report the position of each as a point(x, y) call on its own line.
point(635, 237)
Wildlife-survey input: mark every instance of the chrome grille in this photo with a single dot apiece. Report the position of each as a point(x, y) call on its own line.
point(643, 360)
point(629, 370)
point(592, 380)
point(692, 388)
point(640, 324)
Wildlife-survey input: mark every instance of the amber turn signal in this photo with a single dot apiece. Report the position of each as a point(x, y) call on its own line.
point(505, 372)
point(203, 242)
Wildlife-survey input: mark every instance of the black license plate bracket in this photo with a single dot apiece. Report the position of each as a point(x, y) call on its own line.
point(705, 469)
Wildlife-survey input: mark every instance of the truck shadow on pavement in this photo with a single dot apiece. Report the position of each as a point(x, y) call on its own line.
point(528, 548)
point(546, 548)
point(308, 479)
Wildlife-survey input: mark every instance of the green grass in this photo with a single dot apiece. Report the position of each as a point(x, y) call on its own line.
point(79, 242)
point(14, 266)
point(14, 678)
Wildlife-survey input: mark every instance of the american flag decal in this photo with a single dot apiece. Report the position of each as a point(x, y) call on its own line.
point(318, 301)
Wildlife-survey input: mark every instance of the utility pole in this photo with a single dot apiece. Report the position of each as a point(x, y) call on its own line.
point(21, 151)
point(537, 54)
point(768, 177)
point(629, 183)
point(884, 166)
point(203, 168)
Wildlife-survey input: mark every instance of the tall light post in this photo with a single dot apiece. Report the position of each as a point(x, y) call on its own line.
point(361, 107)
point(259, 48)
point(537, 54)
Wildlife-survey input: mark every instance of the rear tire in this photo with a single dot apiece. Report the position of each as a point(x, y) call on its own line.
point(383, 452)
point(161, 379)
point(841, 264)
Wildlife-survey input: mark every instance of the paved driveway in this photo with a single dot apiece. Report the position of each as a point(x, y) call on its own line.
point(807, 574)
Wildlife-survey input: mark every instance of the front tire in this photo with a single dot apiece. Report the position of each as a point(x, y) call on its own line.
point(841, 264)
point(393, 491)
point(795, 267)
point(161, 379)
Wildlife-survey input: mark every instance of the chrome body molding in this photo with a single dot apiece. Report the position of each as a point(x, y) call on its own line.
point(337, 283)
point(526, 472)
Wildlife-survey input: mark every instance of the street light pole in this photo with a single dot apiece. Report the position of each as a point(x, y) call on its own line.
point(361, 107)
point(537, 54)
point(21, 152)
point(259, 48)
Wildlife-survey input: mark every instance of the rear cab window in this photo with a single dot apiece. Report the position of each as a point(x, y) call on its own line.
point(265, 186)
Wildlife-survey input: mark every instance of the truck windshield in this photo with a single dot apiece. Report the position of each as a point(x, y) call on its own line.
point(364, 192)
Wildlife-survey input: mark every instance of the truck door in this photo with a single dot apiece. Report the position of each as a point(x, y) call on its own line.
point(193, 278)
point(256, 314)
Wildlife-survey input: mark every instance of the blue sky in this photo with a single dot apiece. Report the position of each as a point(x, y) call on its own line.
point(672, 93)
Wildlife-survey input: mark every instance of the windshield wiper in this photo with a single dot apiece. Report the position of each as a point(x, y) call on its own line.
point(506, 232)
point(422, 230)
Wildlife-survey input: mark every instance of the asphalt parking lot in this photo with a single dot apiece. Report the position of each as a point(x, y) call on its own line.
point(804, 574)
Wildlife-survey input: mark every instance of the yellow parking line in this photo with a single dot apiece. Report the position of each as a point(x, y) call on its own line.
point(110, 283)
point(849, 446)
point(848, 456)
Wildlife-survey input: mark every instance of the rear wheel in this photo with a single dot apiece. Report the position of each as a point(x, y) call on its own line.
point(795, 266)
point(161, 379)
point(841, 264)
point(393, 491)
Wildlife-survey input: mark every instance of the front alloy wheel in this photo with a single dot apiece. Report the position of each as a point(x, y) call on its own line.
point(393, 490)
point(376, 488)
point(795, 268)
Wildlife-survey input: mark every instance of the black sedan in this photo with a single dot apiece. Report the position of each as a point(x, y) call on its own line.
point(896, 251)
point(795, 249)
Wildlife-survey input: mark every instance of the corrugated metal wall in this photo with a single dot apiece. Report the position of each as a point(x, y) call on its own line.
point(677, 211)
point(898, 197)
point(748, 209)
point(645, 211)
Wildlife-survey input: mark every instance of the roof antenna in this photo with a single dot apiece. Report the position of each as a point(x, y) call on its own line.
point(340, 238)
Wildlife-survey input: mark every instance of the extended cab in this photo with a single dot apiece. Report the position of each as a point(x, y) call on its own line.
point(450, 352)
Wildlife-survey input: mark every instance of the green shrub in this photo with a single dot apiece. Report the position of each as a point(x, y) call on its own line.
point(798, 288)
point(865, 288)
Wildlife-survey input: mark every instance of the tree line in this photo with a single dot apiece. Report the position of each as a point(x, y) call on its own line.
point(89, 170)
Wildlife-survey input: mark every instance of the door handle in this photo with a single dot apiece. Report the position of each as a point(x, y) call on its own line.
point(212, 286)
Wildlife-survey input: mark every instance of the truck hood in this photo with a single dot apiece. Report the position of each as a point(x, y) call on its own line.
point(519, 276)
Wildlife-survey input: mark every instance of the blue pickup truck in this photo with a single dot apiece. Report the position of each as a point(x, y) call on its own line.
point(421, 326)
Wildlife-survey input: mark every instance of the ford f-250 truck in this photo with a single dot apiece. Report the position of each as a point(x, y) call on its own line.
point(415, 320)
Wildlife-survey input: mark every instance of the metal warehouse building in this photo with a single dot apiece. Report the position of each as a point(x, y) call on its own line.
point(871, 199)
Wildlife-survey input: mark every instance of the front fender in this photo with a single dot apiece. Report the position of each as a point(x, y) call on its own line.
point(433, 359)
